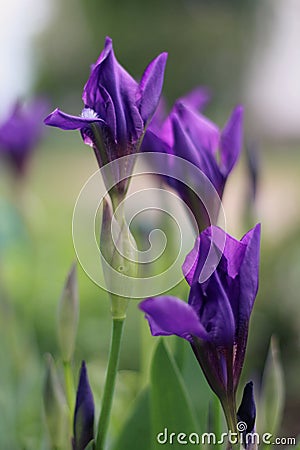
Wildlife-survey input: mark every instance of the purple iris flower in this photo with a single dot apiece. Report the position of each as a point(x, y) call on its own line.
point(116, 110)
point(159, 136)
point(215, 320)
point(196, 99)
point(190, 135)
point(84, 412)
point(21, 132)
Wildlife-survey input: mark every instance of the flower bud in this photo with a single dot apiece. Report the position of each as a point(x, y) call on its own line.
point(55, 406)
point(118, 249)
point(84, 412)
point(272, 392)
point(68, 314)
point(247, 410)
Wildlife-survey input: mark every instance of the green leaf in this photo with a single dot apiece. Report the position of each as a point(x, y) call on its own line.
point(171, 408)
point(90, 446)
point(137, 426)
point(215, 423)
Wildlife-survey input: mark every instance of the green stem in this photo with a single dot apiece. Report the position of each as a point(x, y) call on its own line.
point(110, 382)
point(231, 419)
point(69, 385)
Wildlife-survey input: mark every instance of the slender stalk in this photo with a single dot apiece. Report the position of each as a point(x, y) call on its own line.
point(231, 419)
point(110, 382)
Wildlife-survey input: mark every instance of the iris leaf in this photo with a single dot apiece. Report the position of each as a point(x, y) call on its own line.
point(171, 408)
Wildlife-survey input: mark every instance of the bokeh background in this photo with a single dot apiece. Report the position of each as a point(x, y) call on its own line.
point(245, 52)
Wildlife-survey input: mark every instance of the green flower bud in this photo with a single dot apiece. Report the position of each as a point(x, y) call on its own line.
point(118, 249)
point(68, 314)
point(55, 406)
point(272, 393)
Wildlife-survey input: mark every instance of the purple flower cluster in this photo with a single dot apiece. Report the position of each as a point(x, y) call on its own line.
point(118, 114)
point(21, 132)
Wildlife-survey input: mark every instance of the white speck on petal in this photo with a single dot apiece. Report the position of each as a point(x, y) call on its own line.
point(88, 113)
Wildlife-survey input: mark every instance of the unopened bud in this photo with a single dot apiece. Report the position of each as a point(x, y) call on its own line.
point(272, 392)
point(84, 413)
point(68, 314)
point(55, 406)
point(247, 410)
point(118, 249)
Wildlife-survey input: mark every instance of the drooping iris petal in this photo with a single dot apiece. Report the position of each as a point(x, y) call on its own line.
point(68, 122)
point(169, 315)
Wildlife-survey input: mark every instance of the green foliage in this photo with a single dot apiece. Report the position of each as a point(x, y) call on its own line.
point(196, 385)
point(171, 407)
point(136, 431)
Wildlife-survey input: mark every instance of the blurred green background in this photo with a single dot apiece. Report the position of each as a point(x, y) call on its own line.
point(224, 45)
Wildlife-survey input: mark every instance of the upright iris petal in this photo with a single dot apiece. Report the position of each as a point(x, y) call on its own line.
point(216, 318)
point(190, 135)
point(117, 109)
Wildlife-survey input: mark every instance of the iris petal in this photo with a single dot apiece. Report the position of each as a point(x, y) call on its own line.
point(169, 315)
point(150, 87)
point(68, 122)
point(231, 140)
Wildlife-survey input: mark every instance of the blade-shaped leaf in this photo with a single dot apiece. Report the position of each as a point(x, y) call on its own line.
point(171, 408)
point(136, 431)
